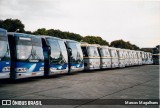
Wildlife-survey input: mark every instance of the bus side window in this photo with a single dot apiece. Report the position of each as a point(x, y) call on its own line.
point(84, 50)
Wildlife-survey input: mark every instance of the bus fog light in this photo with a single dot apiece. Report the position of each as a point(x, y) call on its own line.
point(41, 68)
point(6, 69)
point(21, 69)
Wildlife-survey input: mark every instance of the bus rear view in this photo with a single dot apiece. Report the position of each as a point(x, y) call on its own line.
point(26, 55)
point(4, 55)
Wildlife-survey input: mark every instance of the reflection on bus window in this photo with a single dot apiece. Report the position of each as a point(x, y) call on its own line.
point(29, 50)
point(76, 52)
point(3, 46)
point(56, 54)
point(93, 51)
point(104, 52)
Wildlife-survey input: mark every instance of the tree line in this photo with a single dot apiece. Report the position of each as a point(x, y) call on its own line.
point(12, 25)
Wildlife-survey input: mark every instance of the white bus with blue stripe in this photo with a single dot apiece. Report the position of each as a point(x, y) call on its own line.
point(4, 55)
point(55, 54)
point(27, 58)
point(75, 56)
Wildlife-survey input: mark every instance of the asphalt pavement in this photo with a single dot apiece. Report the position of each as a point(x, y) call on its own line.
point(139, 82)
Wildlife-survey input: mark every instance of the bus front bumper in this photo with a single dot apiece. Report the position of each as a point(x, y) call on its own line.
point(4, 75)
point(29, 74)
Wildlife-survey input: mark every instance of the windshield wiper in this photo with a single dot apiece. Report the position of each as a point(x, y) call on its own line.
point(79, 59)
point(61, 59)
point(34, 55)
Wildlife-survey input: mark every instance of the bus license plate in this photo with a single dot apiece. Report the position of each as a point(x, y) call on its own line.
point(33, 74)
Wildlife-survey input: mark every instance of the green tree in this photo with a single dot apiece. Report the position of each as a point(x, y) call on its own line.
point(64, 35)
point(41, 31)
point(12, 25)
point(122, 44)
point(95, 40)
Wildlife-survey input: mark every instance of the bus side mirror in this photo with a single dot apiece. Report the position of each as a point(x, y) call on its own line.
point(70, 51)
point(49, 50)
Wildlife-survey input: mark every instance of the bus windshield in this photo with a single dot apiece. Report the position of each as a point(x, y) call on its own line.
point(29, 50)
point(104, 52)
point(76, 52)
point(120, 53)
point(57, 56)
point(92, 51)
point(113, 53)
point(79, 54)
point(3, 46)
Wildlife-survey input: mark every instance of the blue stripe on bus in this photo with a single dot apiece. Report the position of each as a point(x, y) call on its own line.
point(31, 67)
point(59, 67)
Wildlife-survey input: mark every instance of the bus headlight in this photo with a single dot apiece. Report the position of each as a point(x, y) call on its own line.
point(21, 69)
point(73, 67)
point(53, 69)
point(6, 69)
point(41, 68)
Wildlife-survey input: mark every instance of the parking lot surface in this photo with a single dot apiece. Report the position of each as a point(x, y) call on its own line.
point(139, 82)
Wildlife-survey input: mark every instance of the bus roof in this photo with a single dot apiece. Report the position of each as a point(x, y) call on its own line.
point(44, 36)
point(68, 40)
point(21, 34)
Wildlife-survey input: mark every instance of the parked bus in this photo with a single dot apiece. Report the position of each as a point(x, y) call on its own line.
point(91, 56)
point(145, 58)
point(150, 59)
point(27, 58)
point(4, 55)
point(135, 57)
point(121, 57)
point(139, 57)
point(105, 57)
point(55, 55)
point(114, 57)
point(126, 56)
point(132, 57)
point(75, 55)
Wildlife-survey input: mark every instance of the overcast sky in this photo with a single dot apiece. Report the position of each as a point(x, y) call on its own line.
point(134, 21)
